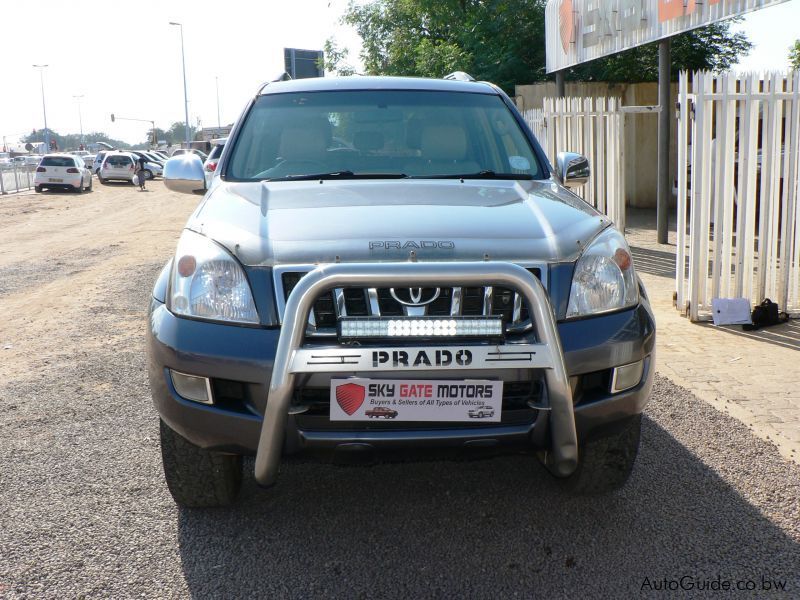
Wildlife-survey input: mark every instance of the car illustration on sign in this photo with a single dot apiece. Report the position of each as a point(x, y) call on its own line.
point(481, 412)
point(381, 412)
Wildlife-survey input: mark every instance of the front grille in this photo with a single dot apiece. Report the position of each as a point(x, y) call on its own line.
point(379, 302)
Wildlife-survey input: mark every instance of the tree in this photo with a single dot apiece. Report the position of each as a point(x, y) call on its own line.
point(504, 41)
point(335, 59)
point(159, 136)
point(72, 141)
point(176, 134)
point(794, 55)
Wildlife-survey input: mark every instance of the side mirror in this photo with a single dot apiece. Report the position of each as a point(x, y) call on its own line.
point(184, 174)
point(572, 169)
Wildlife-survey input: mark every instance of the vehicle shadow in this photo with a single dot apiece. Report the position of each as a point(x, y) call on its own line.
point(491, 528)
point(654, 262)
point(785, 335)
point(49, 192)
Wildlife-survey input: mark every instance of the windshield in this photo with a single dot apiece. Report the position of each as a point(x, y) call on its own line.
point(383, 133)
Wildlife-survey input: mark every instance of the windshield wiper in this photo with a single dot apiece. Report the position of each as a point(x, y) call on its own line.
point(485, 174)
point(338, 175)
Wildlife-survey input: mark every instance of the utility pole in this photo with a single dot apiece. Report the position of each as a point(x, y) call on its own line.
point(80, 119)
point(664, 185)
point(219, 123)
point(185, 95)
point(560, 87)
point(44, 108)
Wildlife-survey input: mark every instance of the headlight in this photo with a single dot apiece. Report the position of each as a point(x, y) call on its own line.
point(604, 279)
point(208, 283)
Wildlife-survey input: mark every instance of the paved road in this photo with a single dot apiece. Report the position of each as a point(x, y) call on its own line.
point(85, 512)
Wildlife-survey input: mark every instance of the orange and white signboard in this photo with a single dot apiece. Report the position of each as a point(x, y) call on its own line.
point(578, 31)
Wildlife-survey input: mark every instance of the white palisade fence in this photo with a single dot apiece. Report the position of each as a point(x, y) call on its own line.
point(593, 127)
point(738, 219)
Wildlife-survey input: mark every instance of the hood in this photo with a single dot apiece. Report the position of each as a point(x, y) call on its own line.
point(308, 222)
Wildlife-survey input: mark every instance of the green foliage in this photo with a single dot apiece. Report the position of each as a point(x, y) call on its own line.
point(504, 41)
point(72, 141)
point(174, 135)
point(794, 55)
point(160, 135)
point(335, 59)
point(498, 40)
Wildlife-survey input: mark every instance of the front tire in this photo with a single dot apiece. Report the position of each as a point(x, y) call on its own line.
point(148, 174)
point(38, 189)
point(605, 462)
point(101, 180)
point(198, 478)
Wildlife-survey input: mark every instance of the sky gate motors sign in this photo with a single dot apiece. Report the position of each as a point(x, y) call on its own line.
point(578, 31)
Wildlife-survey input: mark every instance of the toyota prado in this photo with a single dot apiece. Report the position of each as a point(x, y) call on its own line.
point(397, 247)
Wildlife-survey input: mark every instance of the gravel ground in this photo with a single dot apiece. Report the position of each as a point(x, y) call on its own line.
point(85, 512)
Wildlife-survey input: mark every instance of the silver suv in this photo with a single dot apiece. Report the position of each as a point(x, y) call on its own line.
point(390, 246)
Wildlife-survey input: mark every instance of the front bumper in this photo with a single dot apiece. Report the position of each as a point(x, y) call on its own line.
point(248, 355)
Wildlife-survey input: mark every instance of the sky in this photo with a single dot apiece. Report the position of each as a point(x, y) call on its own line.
point(125, 58)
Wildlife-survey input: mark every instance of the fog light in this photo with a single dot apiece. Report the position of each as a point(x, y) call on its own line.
point(192, 387)
point(420, 327)
point(626, 377)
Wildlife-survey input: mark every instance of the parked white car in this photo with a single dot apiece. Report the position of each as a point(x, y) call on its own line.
point(152, 166)
point(118, 166)
point(88, 157)
point(200, 153)
point(98, 161)
point(62, 171)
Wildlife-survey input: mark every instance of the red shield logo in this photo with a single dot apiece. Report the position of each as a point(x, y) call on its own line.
point(566, 24)
point(350, 397)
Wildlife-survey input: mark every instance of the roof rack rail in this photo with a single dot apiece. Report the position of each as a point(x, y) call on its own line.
point(459, 76)
point(282, 77)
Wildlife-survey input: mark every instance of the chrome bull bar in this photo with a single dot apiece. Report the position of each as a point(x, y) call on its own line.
point(291, 358)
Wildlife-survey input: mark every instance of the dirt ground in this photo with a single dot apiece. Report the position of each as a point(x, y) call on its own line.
point(58, 250)
point(85, 513)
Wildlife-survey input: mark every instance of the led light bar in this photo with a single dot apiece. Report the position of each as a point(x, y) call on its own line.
point(416, 327)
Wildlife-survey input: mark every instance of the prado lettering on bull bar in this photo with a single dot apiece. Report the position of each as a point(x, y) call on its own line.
point(441, 358)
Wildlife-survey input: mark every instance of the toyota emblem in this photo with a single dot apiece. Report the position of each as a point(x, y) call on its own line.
point(415, 296)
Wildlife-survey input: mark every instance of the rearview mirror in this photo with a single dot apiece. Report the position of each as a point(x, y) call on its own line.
point(572, 169)
point(184, 174)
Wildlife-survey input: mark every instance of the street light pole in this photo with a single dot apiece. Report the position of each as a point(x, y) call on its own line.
point(219, 123)
point(80, 119)
point(44, 108)
point(185, 95)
